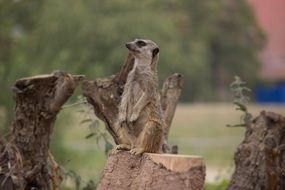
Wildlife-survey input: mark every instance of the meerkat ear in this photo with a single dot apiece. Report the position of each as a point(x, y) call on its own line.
point(155, 52)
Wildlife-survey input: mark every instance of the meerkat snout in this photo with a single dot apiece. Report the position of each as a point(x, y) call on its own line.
point(132, 47)
point(128, 45)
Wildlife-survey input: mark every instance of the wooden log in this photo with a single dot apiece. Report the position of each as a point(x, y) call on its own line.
point(23, 159)
point(125, 171)
point(170, 94)
point(260, 158)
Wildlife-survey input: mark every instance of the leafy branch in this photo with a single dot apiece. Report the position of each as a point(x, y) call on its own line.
point(95, 131)
point(80, 101)
point(76, 178)
point(239, 89)
point(93, 124)
point(98, 134)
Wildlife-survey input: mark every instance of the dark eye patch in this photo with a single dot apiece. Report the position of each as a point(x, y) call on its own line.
point(141, 43)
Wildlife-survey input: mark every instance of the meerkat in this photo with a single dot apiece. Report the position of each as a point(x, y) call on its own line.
point(140, 116)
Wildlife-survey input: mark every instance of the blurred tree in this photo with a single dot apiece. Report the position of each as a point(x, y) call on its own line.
point(234, 46)
point(207, 41)
point(17, 19)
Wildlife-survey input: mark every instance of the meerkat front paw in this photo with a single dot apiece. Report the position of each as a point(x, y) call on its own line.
point(137, 151)
point(123, 147)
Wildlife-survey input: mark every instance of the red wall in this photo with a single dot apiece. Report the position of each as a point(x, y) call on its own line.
point(271, 16)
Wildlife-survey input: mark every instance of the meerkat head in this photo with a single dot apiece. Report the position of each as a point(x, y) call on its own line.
point(143, 49)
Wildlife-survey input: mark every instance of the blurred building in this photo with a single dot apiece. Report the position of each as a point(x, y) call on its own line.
point(271, 16)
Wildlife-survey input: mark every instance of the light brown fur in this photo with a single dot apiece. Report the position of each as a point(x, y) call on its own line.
point(140, 116)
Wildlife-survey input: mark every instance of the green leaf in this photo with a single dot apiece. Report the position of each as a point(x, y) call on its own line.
point(89, 135)
point(108, 147)
point(94, 126)
point(91, 185)
point(85, 121)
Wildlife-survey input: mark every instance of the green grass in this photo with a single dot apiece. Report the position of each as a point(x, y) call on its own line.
point(222, 185)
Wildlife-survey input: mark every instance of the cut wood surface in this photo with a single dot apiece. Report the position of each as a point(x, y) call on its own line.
point(176, 163)
point(125, 171)
point(23, 159)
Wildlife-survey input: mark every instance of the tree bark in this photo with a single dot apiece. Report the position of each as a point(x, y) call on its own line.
point(23, 159)
point(170, 94)
point(105, 96)
point(125, 171)
point(260, 158)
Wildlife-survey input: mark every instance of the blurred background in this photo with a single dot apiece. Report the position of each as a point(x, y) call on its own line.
point(209, 42)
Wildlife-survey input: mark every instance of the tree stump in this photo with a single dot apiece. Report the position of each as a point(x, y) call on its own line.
point(125, 171)
point(260, 158)
point(23, 159)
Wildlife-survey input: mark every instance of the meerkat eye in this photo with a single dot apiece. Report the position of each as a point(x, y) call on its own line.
point(141, 43)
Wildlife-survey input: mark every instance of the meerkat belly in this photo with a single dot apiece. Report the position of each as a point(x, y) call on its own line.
point(149, 114)
point(140, 123)
point(135, 91)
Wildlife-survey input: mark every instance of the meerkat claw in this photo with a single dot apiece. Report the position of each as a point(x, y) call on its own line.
point(123, 147)
point(137, 151)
